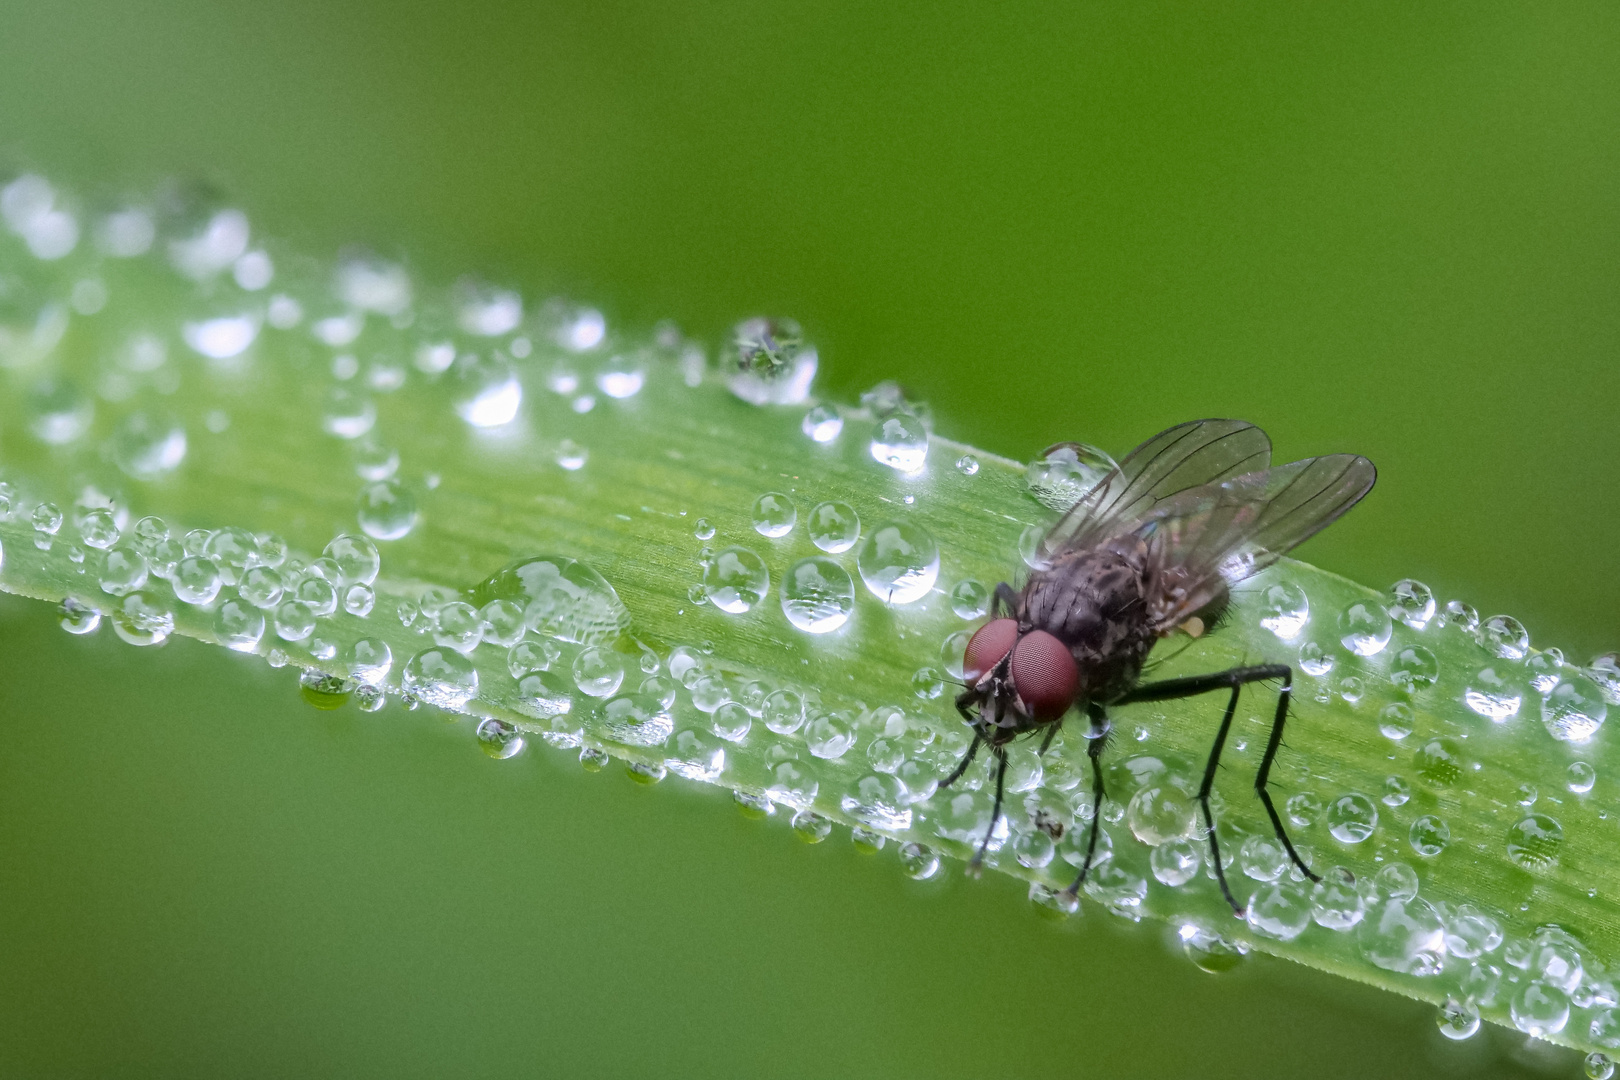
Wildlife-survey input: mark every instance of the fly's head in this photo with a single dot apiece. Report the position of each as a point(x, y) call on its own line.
point(1017, 679)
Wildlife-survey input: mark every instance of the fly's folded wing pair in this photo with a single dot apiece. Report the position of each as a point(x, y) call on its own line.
point(1209, 508)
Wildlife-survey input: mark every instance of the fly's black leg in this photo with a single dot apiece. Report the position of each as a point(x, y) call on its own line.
point(1096, 741)
point(1005, 601)
point(1263, 775)
point(962, 766)
point(1046, 743)
point(1234, 680)
point(995, 813)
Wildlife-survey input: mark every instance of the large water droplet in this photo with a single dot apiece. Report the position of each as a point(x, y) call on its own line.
point(774, 514)
point(1280, 910)
point(901, 442)
point(598, 671)
point(899, 562)
point(1505, 637)
point(142, 618)
point(1284, 609)
point(1533, 842)
point(386, 510)
point(1429, 835)
point(637, 720)
point(1364, 628)
point(1065, 473)
point(878, 800)
point(1352, 818)
point(829, 735)
point(369, 660)
point(123, 571)
point(768, 362)
point(1412, 602)
point(1539, 1009)
point(440, 676)
point(1160, 814)
point(239, 625)
point(196, 580)
point(817, 595)
point(148, 445)
point(1457, 1020)
point(736, 580)
point(1490, 694)
point(561, 597)
point(1574, 710)
point(487, 392)
point(1336, 903)
point(833, 526)
point(1413, 668)
point(1405, 936)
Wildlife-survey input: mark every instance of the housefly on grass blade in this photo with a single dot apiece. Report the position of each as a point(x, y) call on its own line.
point(1155, 547)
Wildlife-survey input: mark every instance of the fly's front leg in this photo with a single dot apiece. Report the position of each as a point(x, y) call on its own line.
point(1096, 741)
point(962, 766)
point(1005, 601)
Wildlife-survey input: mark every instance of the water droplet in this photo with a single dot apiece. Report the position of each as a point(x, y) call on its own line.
point(1336, 903)
point(123, 571)
point(901, 442)
point(817, 595)
point(829, 735)
point(1505, 637)
point(899, 563)
point(1604, 670)
point(1262, 858)
point(196, 580)
point(358, 600)
point(1491, 695)
point(622, 376)
point(499, 739)
point(970, 599)
point(386, 510)
point(562, 598)
point(318, 594)
point(1364, 628)
point(783, 711)
point(1581, 777)
point(142, 618)
point(792, 785)
point(709, 692)
point(369, 660)
point(458, 626)
point(295, 620)
point(1429, 835)
point(967, 465)
point(527, 656)
point(768, 362)
point(1457, 1020)
point(1460, 616)
point(147, 445)
point(348, 414)
point(77, 618)
point(1062, 476)
point(1280, 910)
point(1439, 762)
point(1405, 936)
point(439, 676)
point(1413, 668)
point(1304, 809)
point(731, 721)
point(736, 580)
point(545, 695)
point(1313, 661)
point(1533, 842)
point(1160, 814)
point(1352, 818)
point(598, 671)
point(221, 337)
point(1211, 951)
point(1175, 862)
point(1470, 932)
point(571, 455)
point(1574, 710)
point(1284, 609)
point(261, 587)
point(1539, 1009)
point(822, 424)
point(919, 861)
point(833, 527)
point(324, 691)
point(878, 800)
point(1412, 602)
point(232, 551)
point(239, 625)
point(774, 514)
point(927, 683)
point(1599, 1066)
point(58, 411)
point(487, 392)
point(811, 827)
point(1396, 791)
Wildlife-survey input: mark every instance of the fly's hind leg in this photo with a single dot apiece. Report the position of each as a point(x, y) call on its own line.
point(1234, 680)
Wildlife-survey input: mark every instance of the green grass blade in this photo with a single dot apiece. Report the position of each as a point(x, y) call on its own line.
point(632, 487)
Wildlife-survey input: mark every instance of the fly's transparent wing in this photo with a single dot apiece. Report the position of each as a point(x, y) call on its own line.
point(1203, 541)
point(1190, 455)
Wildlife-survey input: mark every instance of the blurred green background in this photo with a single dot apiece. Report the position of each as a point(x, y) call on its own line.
point(1371, 228)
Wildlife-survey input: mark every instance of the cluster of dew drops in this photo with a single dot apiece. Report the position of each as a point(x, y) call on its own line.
point(478, 347)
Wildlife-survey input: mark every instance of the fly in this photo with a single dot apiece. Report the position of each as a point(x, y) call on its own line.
point(1155, 547)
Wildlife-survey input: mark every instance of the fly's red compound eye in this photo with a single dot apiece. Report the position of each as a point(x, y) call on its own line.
point(987, 646)
point(1044, 674)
